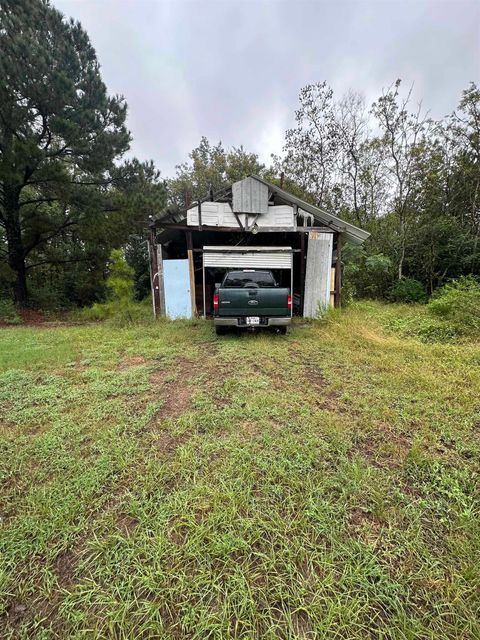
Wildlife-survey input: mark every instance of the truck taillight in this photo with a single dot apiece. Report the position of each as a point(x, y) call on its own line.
point(215, 301)
point(289, 302)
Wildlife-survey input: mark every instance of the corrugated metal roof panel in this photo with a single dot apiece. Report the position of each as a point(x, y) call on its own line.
point(352, 233)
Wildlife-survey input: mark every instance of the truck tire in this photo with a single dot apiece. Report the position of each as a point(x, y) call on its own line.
point(282, 330)
point(220, 331)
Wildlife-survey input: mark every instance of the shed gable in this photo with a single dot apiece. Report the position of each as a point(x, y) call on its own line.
point(250, 196)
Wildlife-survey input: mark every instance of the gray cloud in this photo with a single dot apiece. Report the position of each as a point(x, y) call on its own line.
point(232, 70)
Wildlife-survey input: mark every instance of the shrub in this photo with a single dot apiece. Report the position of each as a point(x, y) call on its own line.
point(120, 280)
point(8, 312)
point(408, 290)
point(120, 309)
point(458, 303)
point(118, 314)
point(423, 327)
point(452, 314)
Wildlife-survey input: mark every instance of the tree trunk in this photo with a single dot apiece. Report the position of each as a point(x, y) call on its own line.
point(400, 263)
point(16, 253)
point(402, 247)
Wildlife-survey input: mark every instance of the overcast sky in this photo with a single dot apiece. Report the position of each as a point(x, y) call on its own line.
point(232, 69)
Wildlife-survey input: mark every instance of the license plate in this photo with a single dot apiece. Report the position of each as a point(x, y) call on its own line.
point(252, 320)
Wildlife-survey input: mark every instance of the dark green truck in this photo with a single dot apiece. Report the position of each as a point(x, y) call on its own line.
point(251, 299)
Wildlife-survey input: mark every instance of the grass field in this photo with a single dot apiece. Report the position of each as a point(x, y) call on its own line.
point(160, 482)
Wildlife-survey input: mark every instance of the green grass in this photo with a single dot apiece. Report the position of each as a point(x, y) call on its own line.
point(160, 482)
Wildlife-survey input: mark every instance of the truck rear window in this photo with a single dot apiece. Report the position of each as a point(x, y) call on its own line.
point(238, 279)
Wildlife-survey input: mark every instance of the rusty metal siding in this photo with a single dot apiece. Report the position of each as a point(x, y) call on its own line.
point(317, 278)
point(250, 196)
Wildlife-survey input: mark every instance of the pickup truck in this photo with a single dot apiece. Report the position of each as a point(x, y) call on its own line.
point(251, 299)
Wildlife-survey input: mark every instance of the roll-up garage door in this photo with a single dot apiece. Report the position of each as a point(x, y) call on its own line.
point(248, 258)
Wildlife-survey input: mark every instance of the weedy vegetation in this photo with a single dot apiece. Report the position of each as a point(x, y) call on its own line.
point(160, 482)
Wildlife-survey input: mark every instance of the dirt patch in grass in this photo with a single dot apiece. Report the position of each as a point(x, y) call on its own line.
point(23, 611)
point(126, 523)
point(177, 402)
point(174, 388)
point(176, 395)
point(386, 449)
point(65, 567)
point(167, 443)
point(364, 525)
point(132, 361)
point(328, 401)
point(315, 376)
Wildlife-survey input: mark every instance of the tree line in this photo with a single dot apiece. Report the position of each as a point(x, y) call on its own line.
point(68, 196)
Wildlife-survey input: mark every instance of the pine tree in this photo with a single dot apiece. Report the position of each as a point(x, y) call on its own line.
point(59, 130)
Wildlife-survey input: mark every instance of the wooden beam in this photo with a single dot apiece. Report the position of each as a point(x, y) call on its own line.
point(160, 282)
point(239, 221)
point(338, 273)
point(246, 248)
point(184, 227)
point(191, 269)
point(154, 285)
point(302, 271)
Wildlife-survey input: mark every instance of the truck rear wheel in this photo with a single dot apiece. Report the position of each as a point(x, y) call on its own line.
point(282, 330)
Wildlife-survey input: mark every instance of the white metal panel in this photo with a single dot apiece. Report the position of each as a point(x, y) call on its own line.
point(220, 214)
point(317, 277)
point(251, 258)
point(277, 216)
point(214, 214)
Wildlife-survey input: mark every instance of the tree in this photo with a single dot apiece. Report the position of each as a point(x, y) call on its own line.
point(331, 156)
point(463, 134)
point(311, 147)
point(210, 168)
point(401, 133)
point(59, 130)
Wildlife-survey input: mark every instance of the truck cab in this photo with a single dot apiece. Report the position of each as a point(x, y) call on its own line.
point(251, 299)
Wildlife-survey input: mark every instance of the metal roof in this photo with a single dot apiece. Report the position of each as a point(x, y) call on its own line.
point(352, 233)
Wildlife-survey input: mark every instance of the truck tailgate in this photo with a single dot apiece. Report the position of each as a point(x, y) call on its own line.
point(253, 302)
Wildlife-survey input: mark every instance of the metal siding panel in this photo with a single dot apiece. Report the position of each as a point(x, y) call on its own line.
point(250, 260)
point(317, 278)
point(250, 196)
point(277, 216)
point(177, 289)
point(214, 214)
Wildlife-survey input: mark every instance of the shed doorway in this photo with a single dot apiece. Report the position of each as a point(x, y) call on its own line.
point(219, 259)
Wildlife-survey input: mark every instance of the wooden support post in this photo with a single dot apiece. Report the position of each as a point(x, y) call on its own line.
point(154, 284)
point(204, 288)
point(338, 273)
point(191, 269)
point(160, 282)
point(302, 271)
point(199, 214)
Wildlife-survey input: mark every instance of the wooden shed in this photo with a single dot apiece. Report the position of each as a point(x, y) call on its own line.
point(252, 223)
